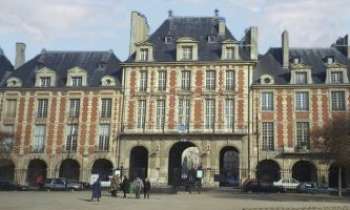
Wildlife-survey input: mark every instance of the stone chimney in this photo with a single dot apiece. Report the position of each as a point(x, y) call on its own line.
point(139, 30)
point(285, 50)
point(253, 39)
point(20, 55)
point(343, 45)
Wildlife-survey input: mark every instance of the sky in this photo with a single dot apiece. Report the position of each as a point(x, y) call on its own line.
point(105, 24)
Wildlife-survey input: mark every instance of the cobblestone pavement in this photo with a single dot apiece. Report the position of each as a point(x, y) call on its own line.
point(217, 200)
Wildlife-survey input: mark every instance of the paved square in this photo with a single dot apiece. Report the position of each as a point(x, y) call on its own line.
point(205, 201)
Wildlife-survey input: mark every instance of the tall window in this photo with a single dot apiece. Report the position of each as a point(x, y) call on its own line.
point(187, 53)
point(106, 107)
point(72, 137)
point(143, 81)
point(103, 137)
point(42, 108)
point(45, 81)
point(144, 54)
point(337, 77)
point(7, 141)
point(160, 113)
point(141, 114)
point(74, 108)
point(210, 80)
point(302, 101)
point(230, 53)
point(267, 136)
point(185, 80)
point(77, 81)
point(184, 113)
point(303, 134)
point(229, 113)
point(267, 101)
point(162, 80)
point(300, 78)
point(230, 80)
point(39, 138)
point(11, 108)
point(338, 100)
point(209, 113)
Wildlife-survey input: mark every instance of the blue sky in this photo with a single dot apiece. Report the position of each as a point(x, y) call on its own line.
point(104, 24)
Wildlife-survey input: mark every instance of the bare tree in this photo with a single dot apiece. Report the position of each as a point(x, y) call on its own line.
point(334, 140)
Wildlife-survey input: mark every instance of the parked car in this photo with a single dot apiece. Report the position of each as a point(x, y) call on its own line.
point(254, 185)
point(311, 187)
point(287, 184)
point(6, 185)
point(62, 184)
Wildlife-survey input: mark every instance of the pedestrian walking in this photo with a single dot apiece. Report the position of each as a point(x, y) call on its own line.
point(146, 188)
point(125, 186)
point(137, 187)
point(115, 184)
point(40, 181)
point(96, 190)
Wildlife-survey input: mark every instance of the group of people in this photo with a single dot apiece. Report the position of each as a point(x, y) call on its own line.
point(137, 186)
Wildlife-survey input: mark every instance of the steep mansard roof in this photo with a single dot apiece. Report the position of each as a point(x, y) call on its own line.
point(271, 63)
point(197, 28)
point(62, 61)
point(5, 67)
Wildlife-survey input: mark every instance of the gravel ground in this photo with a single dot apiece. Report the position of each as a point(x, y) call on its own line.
point(216, 200)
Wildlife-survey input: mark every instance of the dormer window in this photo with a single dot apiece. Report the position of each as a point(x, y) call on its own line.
point(296, 60)
point(45, 81)
point(337, 77)
point(168, 39)
point(187, 52)
point(230, 53)
point(144, 53)
point(330, 60)
point(108, 81)
point(211, 39)
point(101, 65)
point(13, 82)
point(300, 77)
point(229, 50)
point(77, 81)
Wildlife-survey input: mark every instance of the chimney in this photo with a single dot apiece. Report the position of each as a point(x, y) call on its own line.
point(342, 44)
point(20, 55)
point(253, 42)
point(170, 13)
point(285, 50)
point(139, 30)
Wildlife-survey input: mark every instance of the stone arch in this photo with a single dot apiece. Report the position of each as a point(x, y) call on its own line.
point(333, 176)
point(36, 168)
point(268, 171)
point(70, 169)
point(7, 169)
point(138, 162)
point(229, 166)
point(103, 167)
point(304, 171)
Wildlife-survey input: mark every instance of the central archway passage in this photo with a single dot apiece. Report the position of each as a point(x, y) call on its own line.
point(182, 157)
point(304, 171)
point(138, 163)
point(229, 167)
point(268, 171)
point(36, 168)
point(70, 169)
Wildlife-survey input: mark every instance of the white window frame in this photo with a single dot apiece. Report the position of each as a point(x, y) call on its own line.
point(43, 106)
point(186, 80)
point(39, 138)
point(141, 120)
point(187, 52)
point(229, 113)
point(143, 81)
point(267, 101)
point(268, 139)
point(302, 101)
point(337, 77)
point(184, 110)
point(77, 81)
point(162, 80)
point(74, 107)
point(210, 80)
point(11, 108)
point(45, 81)
point(297, 79)
point(209, 113)
point(104, 137)
point(160, 115)
point(72, 137)
point(338, 102)
point(106, 107)
point(144, 54)
point(230, 80)
point(303, 134)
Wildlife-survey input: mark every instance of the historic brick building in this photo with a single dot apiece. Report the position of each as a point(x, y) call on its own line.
point(189, 95)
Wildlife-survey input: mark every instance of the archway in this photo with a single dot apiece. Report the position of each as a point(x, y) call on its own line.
point(7, 170)
point(229, 166)
point(333, 174)
point(36, 168)
point(138, 162)
point(70, 169)
point(102, 167)
point(180, 155)
point(268, 171)
point(304, 171)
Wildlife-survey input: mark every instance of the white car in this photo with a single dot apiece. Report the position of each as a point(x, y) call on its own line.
point(287, 183)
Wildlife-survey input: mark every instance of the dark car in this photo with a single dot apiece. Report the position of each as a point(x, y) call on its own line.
point(62, 184)
point(6, 185)
point(311, 187)
point(260, 186)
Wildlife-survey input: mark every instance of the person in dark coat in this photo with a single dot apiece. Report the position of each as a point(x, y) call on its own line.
point(125, 186)
point(146, 188)
point(96, 190)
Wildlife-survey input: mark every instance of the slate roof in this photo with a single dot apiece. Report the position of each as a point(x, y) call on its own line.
point(5, 67)
point(62, 61)
point(271, 63)
point(197, 28)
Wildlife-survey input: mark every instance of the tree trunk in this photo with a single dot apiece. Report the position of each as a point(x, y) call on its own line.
point(340, 181)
